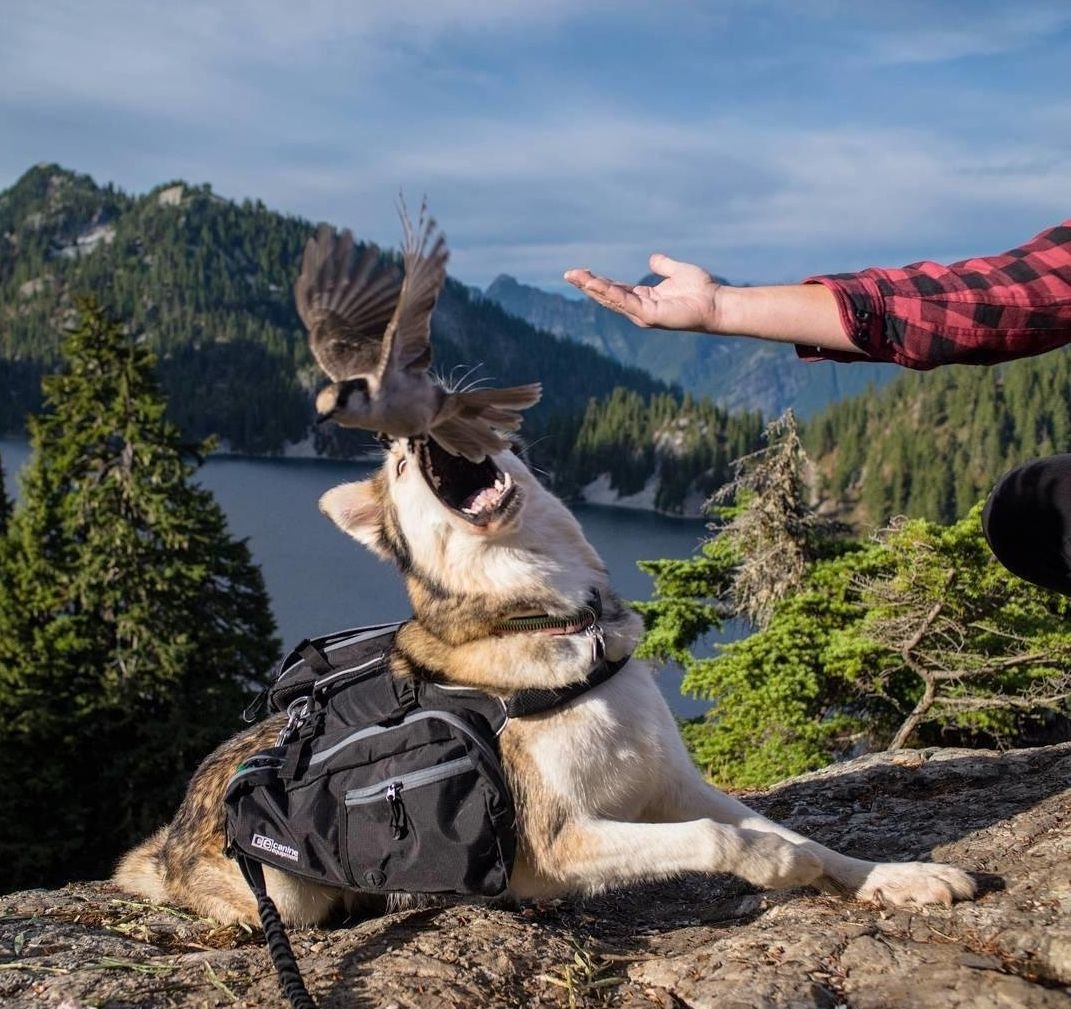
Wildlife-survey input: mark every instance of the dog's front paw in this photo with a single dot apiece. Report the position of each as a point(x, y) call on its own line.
point(904, 884)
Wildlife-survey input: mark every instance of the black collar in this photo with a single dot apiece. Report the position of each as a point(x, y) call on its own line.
point(538, 700)
point(584, 621)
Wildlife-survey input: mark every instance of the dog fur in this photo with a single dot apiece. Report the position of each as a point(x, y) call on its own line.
point(605, 792)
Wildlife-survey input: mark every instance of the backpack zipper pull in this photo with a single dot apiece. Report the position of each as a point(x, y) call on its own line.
point(397, 811)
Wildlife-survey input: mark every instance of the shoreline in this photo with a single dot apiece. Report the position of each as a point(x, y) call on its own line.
point(596, 494)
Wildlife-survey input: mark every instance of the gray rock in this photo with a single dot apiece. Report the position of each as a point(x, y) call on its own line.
point(693, 942)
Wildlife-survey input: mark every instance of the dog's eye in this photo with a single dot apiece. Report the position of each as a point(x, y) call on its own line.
point(399, 467)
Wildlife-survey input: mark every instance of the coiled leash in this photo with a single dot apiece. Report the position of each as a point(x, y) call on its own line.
point(282, 956)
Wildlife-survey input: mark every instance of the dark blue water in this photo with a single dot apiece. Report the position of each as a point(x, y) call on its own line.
point(320, 580)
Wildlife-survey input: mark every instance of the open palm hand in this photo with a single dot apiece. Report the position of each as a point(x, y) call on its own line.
point(684, 300)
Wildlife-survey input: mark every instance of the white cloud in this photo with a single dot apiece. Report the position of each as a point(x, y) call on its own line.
point(604, 189)
point(173, 59)
point(935, 33)
point(326, 108)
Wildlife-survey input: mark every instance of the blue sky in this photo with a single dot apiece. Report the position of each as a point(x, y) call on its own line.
point(765, 140)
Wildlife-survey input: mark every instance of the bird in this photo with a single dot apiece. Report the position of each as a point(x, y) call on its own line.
point(369, 327)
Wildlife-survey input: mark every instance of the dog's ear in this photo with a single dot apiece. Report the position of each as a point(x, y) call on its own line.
point(357, 509)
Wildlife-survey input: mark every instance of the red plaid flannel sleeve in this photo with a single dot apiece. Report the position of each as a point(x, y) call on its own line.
point(980, 311)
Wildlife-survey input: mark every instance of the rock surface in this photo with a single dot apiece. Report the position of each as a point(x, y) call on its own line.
point(693, 942)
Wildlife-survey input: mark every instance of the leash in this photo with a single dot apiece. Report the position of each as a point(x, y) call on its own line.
point(282, 956)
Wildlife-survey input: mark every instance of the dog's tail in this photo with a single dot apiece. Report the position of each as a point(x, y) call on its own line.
point(475, 423)
point(141, 870)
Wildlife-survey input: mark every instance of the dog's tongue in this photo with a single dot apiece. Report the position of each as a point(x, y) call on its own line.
point(486, 499)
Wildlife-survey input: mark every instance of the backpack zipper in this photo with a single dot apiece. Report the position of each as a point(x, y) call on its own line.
point(415, 716)
point(391, 790)
point(411, 779)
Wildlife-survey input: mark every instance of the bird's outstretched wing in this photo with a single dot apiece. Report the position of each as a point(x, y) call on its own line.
point(346, 299)
point(406, 343)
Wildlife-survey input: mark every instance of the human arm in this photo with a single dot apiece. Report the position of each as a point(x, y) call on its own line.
point(979, 311)
point(690, 299)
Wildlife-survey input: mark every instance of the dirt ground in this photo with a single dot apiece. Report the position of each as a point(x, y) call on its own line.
point(693, 942)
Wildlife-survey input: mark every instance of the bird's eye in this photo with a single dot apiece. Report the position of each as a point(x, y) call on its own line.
point(399, 467)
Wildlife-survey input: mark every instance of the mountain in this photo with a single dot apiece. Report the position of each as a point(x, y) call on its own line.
point(206, 282)
point(736, 373)
point(932, 444)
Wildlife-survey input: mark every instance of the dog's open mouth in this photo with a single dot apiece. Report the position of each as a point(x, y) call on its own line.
point(478, 492)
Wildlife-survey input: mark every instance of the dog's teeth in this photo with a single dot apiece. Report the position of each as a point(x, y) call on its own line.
point(508, 482)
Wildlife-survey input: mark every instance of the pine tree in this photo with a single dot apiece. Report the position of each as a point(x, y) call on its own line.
point(777, 565)
point(5, 502)
point(918, 635)
point(774, 531)
point(133, 628)
point(971, 648)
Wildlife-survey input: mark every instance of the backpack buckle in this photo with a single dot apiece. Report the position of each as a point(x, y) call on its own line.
point(297, 711)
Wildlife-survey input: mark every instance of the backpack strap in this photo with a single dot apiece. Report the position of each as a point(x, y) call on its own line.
point(313, 657)
point(282, 956)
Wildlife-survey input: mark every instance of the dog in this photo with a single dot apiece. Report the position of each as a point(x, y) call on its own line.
point(605, 792)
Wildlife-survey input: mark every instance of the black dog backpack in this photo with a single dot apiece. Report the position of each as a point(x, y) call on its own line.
point(379, 783)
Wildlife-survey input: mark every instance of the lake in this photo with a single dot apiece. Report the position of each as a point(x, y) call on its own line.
point(320, 580)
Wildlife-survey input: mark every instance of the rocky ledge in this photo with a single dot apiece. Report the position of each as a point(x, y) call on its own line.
point(702, 942)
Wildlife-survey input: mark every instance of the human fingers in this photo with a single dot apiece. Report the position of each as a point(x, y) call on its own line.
point(593, 284)
point(609, 293)
point(586, 280)
point(665, 266)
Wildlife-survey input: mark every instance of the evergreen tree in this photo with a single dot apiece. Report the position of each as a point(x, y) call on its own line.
point(5, 502)
point(133, 628)
point(971, 648)
point(773, 532)
point(776, 564)
point(916, 637)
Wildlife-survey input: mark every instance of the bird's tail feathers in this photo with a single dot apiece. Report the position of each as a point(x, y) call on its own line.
point(476, 423)
point(470, 437)
point(518, 397)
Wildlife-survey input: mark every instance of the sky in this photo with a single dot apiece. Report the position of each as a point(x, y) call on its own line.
point(763, 139)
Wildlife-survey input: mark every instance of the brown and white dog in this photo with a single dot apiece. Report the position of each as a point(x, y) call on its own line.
point(604, 789)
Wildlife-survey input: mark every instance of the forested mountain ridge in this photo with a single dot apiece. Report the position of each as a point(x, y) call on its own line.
point(207, 283)
point(931, 444)
point(663, 453)
point(737, 373)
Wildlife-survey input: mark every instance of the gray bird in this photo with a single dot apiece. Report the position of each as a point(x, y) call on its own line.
point(369, 329)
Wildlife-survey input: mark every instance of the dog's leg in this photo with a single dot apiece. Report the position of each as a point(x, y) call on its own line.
point(891, 883)
point(587, 856)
